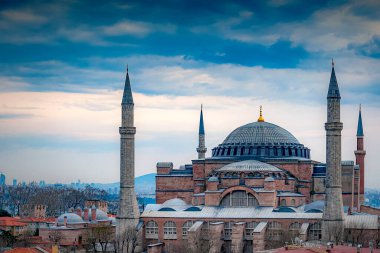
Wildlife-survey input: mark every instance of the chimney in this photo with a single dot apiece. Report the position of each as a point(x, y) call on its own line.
point(86, 214)
point(79, 211)
point(93, 213)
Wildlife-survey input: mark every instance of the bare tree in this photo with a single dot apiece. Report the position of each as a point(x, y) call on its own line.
point(56, 236)
point(127, 241)
point(57, 200)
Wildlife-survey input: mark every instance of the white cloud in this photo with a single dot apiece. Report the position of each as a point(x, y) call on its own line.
point(166, 129)
point(23, 16)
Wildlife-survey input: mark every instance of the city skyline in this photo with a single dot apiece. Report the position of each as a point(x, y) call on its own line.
point(63, 72)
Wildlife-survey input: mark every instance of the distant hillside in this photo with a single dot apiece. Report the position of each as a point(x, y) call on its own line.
point(145, 184)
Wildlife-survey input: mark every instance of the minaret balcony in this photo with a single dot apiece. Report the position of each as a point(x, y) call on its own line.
point(127, 130)
point(334, 126)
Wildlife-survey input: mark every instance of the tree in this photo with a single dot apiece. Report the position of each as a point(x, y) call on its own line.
point(56, 236)
point(7, 238)
point(100, 235)
point(126, 242)
point(4, 213)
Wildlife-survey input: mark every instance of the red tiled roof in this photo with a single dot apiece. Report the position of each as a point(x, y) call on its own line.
point(29, 250)
point(336, 249)
point(31, 219)
point(23, 250)
point(11, 222)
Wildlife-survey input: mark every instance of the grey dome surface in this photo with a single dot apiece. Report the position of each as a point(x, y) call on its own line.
point(249, 166)
point(100, 215)
point(213, 179)
point(260, 140)
point(174, 202)
point(262, 133)
point(71, 218)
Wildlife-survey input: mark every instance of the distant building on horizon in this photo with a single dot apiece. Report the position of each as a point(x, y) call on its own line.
point(2, 179)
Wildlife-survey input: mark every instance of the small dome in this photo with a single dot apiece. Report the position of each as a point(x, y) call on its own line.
point(72, 218)
point(174, 202)
point(269, 179)
point(249, 166)
point(100, 215)
point(213, 179)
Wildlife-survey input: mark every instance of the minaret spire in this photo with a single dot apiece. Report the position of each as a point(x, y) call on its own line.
point(201, 137)
point(359, 132)
point(127, 94)
point(333, 212)
point(128, 213)
point(333, 91)
point(360, 155)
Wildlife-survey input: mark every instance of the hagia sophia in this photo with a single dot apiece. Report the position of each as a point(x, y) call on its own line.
point(259, 189)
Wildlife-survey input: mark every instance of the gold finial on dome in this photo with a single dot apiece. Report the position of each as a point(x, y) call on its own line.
point(261, 119)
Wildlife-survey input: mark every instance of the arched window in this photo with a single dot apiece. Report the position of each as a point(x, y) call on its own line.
point(294, 229)
point(170, 230)
point(185, 228)
point(274, 231)
point(315, 231)
point(283, 202)
point(239, 199)
point(151, 230)
point(249, 228)
point(293, 202)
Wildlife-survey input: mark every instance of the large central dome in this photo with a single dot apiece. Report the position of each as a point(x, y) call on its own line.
point(260, 133)
point(260, 140)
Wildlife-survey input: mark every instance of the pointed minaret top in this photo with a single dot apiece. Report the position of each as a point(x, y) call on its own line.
point(127, 95)
point(333, 86)
point(360, 132)
point(201, 126)
point(261, 119)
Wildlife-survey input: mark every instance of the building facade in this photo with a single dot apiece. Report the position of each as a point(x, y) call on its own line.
point(258, 189)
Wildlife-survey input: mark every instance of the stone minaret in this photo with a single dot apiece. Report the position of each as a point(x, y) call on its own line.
point(360, 154)
point(128, 213)
point(201, 145)
point(333, 213)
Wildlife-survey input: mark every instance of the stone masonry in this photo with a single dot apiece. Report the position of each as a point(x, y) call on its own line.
point(128, 214)
point(333, 212)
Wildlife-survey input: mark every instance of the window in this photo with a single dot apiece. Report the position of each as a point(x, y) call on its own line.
point(283, 202)
point(151, 230)
point(315, 231)
point(274, 231)
point(170, 230)
point(249, 228)
point(239, 199)
point(228, 230)
point(294, 229)
point(186, 227)
point(293, 202)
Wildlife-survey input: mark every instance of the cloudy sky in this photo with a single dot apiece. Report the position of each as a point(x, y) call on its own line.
point(62, 69)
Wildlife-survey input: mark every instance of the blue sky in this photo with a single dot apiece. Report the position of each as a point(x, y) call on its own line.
point(62, 66)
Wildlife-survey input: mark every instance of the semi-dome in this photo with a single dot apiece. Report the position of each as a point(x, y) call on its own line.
point(249, 166)
point(72, 218)
point(259, 140)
